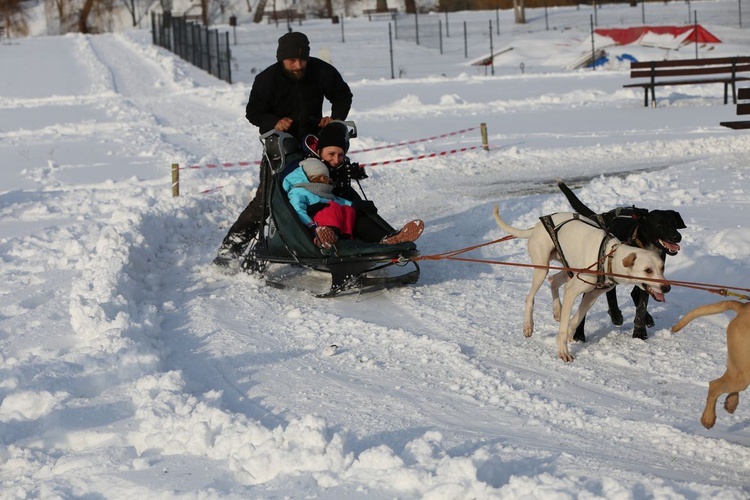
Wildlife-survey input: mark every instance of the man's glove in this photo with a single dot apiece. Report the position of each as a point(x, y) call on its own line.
point(325, 237)
point(365, 207)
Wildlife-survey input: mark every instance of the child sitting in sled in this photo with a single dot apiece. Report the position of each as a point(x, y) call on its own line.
point(330, 217)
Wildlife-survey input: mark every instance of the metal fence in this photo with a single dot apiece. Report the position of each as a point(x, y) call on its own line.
point(195, 43)
point(443, 31)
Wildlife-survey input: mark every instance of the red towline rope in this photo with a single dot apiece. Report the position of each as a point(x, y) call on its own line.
point(722, 290)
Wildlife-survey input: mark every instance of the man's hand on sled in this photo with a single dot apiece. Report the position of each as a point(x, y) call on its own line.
point(283, 124)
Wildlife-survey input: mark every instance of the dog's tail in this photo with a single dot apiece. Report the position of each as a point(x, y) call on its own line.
point(577, 204)
point(518, 233)
point(708, 309)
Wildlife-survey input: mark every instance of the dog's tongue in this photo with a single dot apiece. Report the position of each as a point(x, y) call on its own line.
point(658, 296)
point(672, 247)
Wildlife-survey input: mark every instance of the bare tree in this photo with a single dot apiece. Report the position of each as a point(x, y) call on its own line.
point(15, 16)
point(259, 10)
point(136, 8)
point(519, 11)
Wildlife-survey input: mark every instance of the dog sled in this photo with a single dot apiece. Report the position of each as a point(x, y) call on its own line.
point(284, 254)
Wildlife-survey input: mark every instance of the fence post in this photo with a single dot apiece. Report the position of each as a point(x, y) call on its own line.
point(466, 43)
point(485, 144)
point(153, 27)
point(229, 61)
point(440, 35)
point(390, 49)
point(695, 16)
point(492, 50)
point(208, 52)
point(593, 48)
point(175, 179)
point(416, 25)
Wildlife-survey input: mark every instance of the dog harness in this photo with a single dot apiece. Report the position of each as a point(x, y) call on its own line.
point(602, 280)
point(627, 213)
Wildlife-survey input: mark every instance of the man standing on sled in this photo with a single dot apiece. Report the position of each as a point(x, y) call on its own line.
point(287, 96)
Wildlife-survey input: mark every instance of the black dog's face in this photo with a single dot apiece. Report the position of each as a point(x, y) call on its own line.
point(660, 227)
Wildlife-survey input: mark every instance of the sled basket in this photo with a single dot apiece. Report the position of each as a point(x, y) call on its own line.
point(284, 239)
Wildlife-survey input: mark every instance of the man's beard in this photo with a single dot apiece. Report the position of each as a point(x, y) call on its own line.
point(295, 75)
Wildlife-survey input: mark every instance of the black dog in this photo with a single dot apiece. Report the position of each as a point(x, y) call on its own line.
point(654, 230)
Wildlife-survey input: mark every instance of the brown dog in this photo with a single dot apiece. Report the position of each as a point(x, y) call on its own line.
point(737, 376)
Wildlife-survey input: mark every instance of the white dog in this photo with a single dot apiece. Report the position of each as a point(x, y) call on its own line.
point(582, 245)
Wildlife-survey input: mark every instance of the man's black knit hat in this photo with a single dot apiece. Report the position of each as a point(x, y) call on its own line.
point(293, 45)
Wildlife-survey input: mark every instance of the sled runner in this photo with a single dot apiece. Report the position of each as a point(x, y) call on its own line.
point(284, 241)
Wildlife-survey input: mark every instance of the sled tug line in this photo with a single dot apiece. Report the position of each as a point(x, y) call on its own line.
point(351, 281)
point(594, 270)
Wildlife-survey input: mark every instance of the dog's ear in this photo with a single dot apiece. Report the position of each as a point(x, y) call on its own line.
point(639, 213)
point(629, 261)
point(678, 222)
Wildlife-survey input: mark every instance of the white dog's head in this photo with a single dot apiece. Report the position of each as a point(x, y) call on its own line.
point(638, 264)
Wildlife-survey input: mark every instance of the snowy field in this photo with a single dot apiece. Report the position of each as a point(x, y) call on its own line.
point(131, 368)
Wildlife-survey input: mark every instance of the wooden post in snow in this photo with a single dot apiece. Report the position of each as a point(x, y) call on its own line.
point(485, 144)
point(175, 179)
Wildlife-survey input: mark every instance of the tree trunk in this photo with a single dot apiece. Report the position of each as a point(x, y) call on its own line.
point(259, 10)
point(83, 16)
point(381, 6)
point(519, 11)
point(410, 6)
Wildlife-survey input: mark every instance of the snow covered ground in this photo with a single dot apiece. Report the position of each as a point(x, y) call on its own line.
point(132, 368)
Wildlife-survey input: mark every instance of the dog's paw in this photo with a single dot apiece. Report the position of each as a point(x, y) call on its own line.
point(730, 404)
point(708, 421)
point(556, 310)
point(616, 317)
point(562, 350)
point(528, 329)
point(565, 356)
point(640, 333)
point(649, 321)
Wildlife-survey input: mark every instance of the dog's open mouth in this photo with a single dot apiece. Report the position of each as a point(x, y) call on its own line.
point(670, 247)
point(657, 295)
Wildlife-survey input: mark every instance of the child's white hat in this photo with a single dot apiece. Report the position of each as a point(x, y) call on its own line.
point(314, 167)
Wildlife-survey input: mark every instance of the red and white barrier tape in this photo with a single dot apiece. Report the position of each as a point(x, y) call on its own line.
point(217, 165)
point(389, 162)
point(257, 162)
point(378, 148)
point(420, 157)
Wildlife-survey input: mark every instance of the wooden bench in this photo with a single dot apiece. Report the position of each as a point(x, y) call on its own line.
point(370, 13)
point(712, 70)
point(743, 108)
point(284, 15)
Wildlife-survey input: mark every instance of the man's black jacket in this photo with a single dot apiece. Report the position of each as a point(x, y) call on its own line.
point(275, 96)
